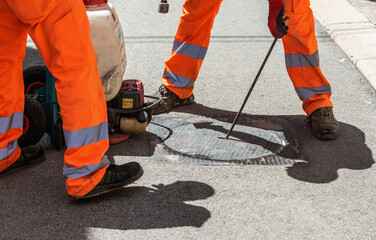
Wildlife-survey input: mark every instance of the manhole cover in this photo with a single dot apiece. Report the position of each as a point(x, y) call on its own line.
point(202, 140)
point(206, 140)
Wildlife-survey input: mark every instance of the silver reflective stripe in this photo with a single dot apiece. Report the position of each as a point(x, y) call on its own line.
point(71, 172)
point(86, 136)
point(190, 50)
point(300, 60)
point(177, 80)
point(305, 93)
point(6, 152)
point(14, 121)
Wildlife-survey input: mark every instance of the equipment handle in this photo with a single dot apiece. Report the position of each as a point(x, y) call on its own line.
point(250, 90)
point(285, 21)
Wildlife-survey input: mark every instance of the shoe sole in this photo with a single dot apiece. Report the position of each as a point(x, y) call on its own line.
point(130, 181)
point(26, 166)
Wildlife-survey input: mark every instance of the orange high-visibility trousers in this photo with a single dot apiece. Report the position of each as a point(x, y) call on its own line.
point(60, 30)
point(302, 57)
point(190, 45)
point(301, 51)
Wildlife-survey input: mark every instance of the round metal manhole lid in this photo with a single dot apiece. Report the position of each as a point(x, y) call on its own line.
point(206, 140)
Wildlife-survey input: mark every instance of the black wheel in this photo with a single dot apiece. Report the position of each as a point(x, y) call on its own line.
point(34, 78)
point(35, 122)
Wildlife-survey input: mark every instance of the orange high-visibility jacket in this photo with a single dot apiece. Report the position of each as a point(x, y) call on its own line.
point(60, 30)
point(301, 52)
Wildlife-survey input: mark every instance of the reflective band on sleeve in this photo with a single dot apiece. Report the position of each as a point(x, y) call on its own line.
point(71, 172)
point(300, 60)
point(14, 121)
point(177, 80)
point(86, 136)
point(305, 93)
point(190, 50)
point(6, 152)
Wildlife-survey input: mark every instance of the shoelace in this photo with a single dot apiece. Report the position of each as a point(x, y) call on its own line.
point(112, 175)
point(325, 112)
point(162, 90)
point(23, 157)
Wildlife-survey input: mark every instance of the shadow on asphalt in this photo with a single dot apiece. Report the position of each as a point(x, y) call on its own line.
point(146, 208)
point(36, 212)
point(35, 206)
point(323, 158)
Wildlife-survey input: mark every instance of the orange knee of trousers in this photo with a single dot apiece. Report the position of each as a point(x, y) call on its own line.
point(32, 12)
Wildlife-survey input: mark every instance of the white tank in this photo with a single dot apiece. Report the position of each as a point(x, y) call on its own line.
point(108, 42)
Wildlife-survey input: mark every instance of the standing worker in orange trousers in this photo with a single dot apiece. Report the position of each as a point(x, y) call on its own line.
point(60, 30)
point(301, 56)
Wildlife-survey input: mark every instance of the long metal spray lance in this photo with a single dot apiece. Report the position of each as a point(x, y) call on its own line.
point(286, 20)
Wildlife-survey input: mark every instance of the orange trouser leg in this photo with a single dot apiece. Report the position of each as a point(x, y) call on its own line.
point(63, 40)
point(190, 46)
point(12, 50)
point(302, 59)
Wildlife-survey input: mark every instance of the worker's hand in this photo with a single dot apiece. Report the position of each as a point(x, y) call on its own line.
point(276, 24)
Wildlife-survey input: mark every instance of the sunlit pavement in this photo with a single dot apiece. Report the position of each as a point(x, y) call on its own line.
point(326, 189)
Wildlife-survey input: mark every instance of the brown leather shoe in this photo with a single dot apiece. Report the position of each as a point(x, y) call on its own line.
point(323, 124)
point(170, 100)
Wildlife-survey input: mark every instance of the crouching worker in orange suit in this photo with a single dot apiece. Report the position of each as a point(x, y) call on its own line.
point(60, 30)
point(301, 55)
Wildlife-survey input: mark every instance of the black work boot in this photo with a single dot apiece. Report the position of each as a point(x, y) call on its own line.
point(323, 124)
point(116, 177)
point(30, 156)
point(170, 100)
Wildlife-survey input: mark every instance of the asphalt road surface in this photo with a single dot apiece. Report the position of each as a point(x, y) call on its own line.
point(316, 190)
